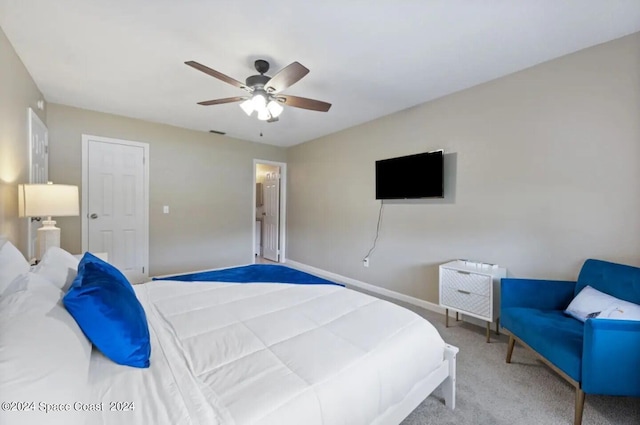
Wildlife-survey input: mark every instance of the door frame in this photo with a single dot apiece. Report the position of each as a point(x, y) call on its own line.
point(34, 120)
point(282, 225)
point(84, 206)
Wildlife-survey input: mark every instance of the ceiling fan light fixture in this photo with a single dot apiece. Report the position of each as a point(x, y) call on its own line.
point(247, 106)
point(264, 92)
point(274, 107)
point(259, 102)
point(264, 115)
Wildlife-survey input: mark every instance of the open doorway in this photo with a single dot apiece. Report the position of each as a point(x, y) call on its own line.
point(268, 213)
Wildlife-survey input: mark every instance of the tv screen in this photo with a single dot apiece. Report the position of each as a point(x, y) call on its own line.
point(410, 177)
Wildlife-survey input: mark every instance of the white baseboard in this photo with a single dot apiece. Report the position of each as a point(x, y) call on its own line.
point(366, 286)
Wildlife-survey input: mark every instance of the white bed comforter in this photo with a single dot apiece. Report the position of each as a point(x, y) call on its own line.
point(282, 354)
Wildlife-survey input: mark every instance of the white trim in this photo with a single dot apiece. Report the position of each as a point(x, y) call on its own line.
point(34, 119)
point(85, 187)
point(282, 226)
point(367, 287)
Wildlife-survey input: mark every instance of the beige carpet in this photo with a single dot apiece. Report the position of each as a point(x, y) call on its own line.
point(492, 392)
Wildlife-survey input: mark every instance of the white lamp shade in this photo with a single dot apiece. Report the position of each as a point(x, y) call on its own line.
point(48, 200)
point(247, 106)
point(259, 102)
point(264, 115)
point(274, 108)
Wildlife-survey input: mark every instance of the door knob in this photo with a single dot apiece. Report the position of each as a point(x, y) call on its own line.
point(93, 216)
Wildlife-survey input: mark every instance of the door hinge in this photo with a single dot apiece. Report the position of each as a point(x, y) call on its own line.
point(143, 270)
point(46, 149)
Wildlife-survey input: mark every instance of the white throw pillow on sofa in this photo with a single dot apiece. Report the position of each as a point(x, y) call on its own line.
point(591, 303)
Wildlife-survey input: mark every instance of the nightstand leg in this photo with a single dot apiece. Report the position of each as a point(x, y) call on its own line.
point(498, 326)
point(488, 332)
point(446, 317)
point(457, 318)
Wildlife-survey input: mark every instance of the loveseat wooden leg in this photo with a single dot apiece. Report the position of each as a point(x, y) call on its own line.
point(512, 343)
point(577, 417)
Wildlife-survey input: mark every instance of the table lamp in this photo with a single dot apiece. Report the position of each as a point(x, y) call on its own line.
point(47, 200)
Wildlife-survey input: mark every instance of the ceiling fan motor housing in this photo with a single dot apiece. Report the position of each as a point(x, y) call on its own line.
point(257, 81)
point(262, 66)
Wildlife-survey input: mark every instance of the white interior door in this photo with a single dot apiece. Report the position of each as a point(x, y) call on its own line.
point(271, 214)
point(117, 204)
point(38, 169)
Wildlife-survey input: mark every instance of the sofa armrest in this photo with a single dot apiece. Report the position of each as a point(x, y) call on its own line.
point(610, 358)
point(536, 293)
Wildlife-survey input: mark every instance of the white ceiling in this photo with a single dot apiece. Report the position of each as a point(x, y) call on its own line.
point(369, 58)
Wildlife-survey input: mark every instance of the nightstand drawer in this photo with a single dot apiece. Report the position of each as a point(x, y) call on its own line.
point(461, 299)
point(469, 282)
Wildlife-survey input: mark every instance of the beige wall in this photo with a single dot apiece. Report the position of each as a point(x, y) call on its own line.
point(205, 179)
point(17, 93)
point(545, 173)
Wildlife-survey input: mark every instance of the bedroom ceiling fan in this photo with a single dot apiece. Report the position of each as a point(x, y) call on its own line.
point(265, 95)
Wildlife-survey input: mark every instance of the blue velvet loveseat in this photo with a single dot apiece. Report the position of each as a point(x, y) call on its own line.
point(599, 356)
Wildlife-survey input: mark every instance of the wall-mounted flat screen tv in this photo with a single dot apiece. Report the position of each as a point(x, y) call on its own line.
point(411, 177)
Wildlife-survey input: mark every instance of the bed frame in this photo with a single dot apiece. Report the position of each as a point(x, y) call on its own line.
point(444, 376)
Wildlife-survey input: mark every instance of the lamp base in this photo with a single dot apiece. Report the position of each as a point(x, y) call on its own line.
point(48, 236)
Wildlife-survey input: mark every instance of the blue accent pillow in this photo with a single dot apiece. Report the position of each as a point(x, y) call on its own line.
point(104, 304)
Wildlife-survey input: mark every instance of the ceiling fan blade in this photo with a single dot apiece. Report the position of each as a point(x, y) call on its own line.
point(304, 103)
point(286, 77)
point(219, 75)
point(220, 101)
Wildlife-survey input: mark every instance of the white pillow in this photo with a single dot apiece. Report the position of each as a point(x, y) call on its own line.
point(12, 263)
point(59, 267)
point(44, 356)
point(591, 303)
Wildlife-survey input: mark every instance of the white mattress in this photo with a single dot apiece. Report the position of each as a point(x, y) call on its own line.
point(225, 353)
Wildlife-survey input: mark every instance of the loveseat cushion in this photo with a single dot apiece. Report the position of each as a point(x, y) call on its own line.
point(551, 333)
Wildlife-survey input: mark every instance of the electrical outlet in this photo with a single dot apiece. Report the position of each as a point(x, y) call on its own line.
point(365, 262)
